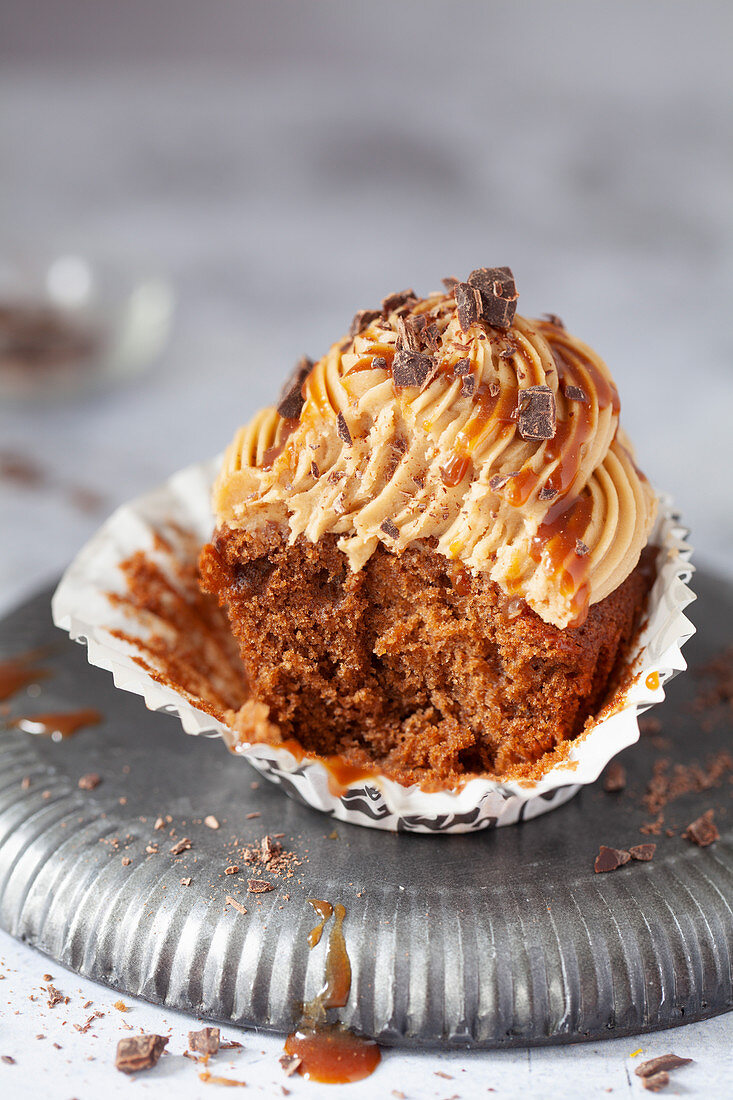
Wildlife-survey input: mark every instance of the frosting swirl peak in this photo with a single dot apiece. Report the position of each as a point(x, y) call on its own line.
point(502, 444)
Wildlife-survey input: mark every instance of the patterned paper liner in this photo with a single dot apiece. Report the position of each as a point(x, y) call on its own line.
point(82, 607)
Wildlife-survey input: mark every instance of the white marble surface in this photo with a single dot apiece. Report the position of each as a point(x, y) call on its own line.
point(286, 164)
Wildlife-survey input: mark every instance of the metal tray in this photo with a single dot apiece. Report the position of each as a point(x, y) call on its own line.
point(501, 938)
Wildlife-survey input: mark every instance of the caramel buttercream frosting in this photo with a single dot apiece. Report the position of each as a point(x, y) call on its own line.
point(453, 419)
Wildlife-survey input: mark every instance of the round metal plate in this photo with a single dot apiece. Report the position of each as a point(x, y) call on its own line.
point(503, 937)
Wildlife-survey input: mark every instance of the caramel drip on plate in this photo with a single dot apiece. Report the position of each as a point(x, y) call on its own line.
point(59, 725)
point(325, 912)
point(17, 673)
point(328, 1052)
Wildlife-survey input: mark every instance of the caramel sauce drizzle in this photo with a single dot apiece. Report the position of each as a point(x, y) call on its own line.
point(556, 538)
point(325, 912)
point(330, 1053)
point(58, 726)
point(17, 673)
point(341, 773)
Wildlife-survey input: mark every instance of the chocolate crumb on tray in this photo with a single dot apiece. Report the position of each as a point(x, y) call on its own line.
point(610, 859)
point(703, 831)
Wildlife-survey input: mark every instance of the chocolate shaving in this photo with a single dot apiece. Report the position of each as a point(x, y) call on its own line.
point(291, 400)
point(553, 319)
point(547, 493)
point(379, 363)
point(450, 282)
point(259, 886)
point(139, 1052)
point(575, 393)
point(468, 301)
point(610, 859)
point(581, 549)
point(537, 417)
point(315, 472)
point(390, 528)
point(181, 845)
point(494, 389)
point(498, 481)
point(663, 1062)
point(342, 430)
point(703, 831)
point(89, 782)
point(498, 293)
point(614, 778)
point(394, 301)
point(462, 367)
point(642, 852)
point(409, 333)
point(363, 320)
point(468, 386)
point(431, 337)
point(8, 1060)
point(205, 1041)
point(411, 369)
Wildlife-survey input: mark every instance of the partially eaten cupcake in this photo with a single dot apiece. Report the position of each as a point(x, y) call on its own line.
point(430, 551)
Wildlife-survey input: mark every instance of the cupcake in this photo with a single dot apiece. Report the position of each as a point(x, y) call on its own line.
point(432, 551)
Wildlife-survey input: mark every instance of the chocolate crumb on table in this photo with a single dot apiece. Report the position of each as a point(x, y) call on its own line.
point(662, 1062)
point(703, 831)
point(289, 1063)
point(655, 1081)
point(228, 900)
point(205, 1041)
point(55, 996)
point(139, 1052)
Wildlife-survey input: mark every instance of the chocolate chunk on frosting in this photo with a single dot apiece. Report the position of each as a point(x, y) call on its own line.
point(468, 301)
point(498, 294)
point(397, 300)
point(537, 416)
point(411, 368)
point(362, 320)
point(291, 398)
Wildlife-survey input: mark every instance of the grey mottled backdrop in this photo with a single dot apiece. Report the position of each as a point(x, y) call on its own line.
point(288, 162)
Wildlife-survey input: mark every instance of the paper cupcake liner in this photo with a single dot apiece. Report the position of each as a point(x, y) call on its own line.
point(82, 606)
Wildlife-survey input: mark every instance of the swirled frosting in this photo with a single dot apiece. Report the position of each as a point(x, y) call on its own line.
point(375, 456)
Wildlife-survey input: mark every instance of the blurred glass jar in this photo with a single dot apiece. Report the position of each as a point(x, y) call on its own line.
point(70, 325)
